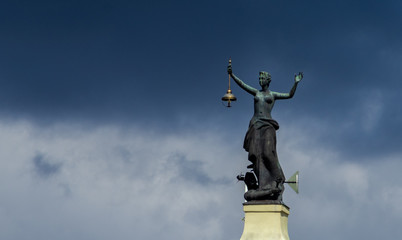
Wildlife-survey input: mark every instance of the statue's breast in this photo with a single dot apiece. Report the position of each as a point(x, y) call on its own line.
point(265, 97)
point(268, 99)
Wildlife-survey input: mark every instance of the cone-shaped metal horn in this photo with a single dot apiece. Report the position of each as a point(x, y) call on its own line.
point(293, 182)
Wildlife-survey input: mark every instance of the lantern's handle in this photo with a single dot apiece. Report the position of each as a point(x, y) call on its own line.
point(229, 97)
point(230, 63)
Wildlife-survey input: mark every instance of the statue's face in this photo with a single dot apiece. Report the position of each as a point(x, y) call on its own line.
point(263, 81)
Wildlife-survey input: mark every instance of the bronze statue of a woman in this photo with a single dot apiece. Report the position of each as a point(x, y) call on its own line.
point(260, 141)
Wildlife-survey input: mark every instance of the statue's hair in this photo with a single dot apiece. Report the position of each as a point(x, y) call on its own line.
point(265, 75)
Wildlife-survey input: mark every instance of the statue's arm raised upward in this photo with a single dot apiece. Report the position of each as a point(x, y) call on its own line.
point(298, 78)
point(239, 82)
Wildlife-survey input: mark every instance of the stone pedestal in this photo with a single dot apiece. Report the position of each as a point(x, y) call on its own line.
point(265, 222)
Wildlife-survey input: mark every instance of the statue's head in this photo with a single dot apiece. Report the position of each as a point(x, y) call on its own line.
point(265, 78)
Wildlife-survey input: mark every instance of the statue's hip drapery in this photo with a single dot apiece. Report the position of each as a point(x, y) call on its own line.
point(260, 143)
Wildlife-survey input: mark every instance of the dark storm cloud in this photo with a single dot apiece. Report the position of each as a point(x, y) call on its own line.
point(163, 64)
point(103, 60)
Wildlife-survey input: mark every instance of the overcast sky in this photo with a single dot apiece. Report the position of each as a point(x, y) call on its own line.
point(112, 125)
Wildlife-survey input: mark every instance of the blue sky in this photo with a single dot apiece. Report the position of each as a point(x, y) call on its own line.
point(112, 124)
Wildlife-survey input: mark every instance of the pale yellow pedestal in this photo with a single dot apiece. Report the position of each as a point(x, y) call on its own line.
point(265, 222)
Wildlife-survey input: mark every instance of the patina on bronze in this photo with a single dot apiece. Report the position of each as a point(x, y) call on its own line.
point(266, 181)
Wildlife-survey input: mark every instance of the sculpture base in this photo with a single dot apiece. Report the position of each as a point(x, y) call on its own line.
point(265, 221)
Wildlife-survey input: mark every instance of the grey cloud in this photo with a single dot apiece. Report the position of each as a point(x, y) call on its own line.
point(194, 170)
point(177, 193)
point(43, 167)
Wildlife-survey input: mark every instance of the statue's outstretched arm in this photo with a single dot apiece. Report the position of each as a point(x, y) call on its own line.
point(241, 84)
point(298, 78)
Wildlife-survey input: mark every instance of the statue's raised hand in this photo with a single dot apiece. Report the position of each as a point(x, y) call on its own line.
point(298, 77)
point(230, 69)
